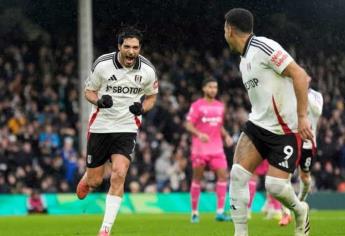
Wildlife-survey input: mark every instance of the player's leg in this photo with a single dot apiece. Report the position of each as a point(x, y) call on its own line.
point(305, 185)
point(304, 173)
point(219, 165)
point(119, 168)
point(195, 188)
point(246, 159)
point(92, 178)
point(279, 186)
point(286, 151)
point(96, 157)
point(221, 187)
point(252, 192)
point(120, 151)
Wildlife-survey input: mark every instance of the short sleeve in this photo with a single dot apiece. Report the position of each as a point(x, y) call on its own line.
point(315, 102)
point(151, 86)
point(93, 81)
point(193, 114)
point(278, 59)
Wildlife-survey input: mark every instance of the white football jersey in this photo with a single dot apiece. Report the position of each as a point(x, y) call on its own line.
point(125, 86)
point(272, 96)
point(315, 104)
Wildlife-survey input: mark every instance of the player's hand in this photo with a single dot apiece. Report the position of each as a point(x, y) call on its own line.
point(228, 141)
point(304, 128)
point(105, 101)
point(203, 137)
point(136, 109)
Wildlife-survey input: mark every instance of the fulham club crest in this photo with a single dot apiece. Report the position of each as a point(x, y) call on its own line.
point(137, 79)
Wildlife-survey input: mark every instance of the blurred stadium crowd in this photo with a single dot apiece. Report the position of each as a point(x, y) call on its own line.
point(39, 125)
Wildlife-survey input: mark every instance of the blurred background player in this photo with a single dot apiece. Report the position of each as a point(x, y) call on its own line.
point(205, 123)
point(278, 92)
point(115, 86)
point(315, 104)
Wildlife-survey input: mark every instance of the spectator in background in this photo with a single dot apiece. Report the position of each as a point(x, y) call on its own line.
point(36, 203)
point(49, 140)
point(69, 156)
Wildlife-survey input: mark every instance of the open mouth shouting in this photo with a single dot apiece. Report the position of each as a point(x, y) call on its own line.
point(129, 61)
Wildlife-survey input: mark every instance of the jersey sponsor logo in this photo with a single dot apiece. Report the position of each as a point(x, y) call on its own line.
point(124, 90)
point(278, 58)
point(213, 121)
point(112, 78)
point(251, 83)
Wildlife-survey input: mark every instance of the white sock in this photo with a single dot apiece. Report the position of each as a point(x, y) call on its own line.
point(220, 211)
point(304, 189)
point(112, 206)
point(282, 190)
point(195, 212)
point(239, 194)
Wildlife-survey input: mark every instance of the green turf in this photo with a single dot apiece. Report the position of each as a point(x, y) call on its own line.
point(323, 223)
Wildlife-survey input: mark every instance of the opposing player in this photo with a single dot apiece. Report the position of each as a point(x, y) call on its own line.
point(205, 123)
point(115, 87)
point(277, 87)
point(315, 104)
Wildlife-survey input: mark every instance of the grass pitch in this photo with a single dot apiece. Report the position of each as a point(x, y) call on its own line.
point(323, 223)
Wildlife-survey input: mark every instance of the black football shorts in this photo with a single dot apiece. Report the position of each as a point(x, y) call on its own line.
point(100, 147)
point(307, 160)
point(281, 151)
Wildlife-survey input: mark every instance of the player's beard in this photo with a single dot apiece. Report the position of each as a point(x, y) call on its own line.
point(232, 49)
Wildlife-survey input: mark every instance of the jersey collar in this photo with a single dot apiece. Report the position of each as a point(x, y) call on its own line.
point(118, 65)
point(246, 46)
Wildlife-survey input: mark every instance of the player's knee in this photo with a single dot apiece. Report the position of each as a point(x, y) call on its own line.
point(275, 186)
point(118, 176)
point(239, 175)
point(197, 177)
point(94, 182)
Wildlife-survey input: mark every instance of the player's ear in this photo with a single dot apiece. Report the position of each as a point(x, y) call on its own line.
point(119, 46)
point(203, 89)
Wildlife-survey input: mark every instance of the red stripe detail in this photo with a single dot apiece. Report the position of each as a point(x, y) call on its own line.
point(299, 147)
point(93, 118)
point(284, 126)
point(137, 121)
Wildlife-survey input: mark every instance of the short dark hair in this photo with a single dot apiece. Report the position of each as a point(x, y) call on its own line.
point(208, 80)
point(241, 18)
point(129, 32)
